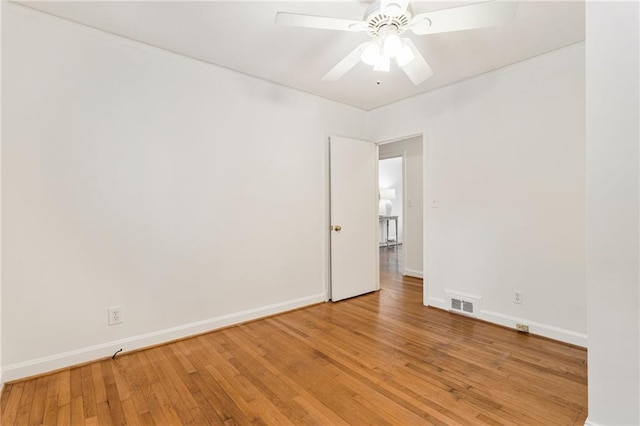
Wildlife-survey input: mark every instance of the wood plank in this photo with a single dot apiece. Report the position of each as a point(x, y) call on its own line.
point(24, 410)
point(50, 415)
point(12, 395)
point(114, 402)
point(88, 393)
point(64, 414)
point(77, 411)
point(64, 387)
point(4, 396)
point(130, 413)
point(39, 401)
point(77, 403)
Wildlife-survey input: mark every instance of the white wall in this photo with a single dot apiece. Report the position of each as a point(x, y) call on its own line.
point(411, 148)
point(505, 165)
point(390, 176)
point(613, 213)
point(136, 177)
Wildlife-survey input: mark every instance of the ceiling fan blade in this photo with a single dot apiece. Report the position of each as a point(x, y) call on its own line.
point(322, 22)
point(418, 70)
point(477, 15)
point(349, 61)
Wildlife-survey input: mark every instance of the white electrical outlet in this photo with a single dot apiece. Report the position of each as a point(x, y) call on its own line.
point(115, 315)
point(517, 297)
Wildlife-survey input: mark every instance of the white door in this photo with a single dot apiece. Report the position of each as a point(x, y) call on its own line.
point(354, 217)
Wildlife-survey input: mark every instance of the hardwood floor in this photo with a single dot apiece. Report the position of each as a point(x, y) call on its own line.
point(381, 358)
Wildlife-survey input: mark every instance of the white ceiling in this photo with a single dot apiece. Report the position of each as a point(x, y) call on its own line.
point(242, 36)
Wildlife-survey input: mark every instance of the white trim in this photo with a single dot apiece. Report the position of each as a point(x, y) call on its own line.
point(326, 167)
point(545, 330)
point(377, 229)
point(537, 328)
point(412, 273)
point(590, 423)
point(438, 303)
point(91, 353)
point(426, 219)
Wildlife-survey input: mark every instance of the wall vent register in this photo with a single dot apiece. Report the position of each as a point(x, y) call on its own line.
point(463, 304)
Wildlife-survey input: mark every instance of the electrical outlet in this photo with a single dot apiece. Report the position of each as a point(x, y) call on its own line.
point(115, 315)
point(523, 328)
point(517, 297)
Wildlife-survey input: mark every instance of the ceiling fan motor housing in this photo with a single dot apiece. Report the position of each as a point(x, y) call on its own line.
point(376, 20)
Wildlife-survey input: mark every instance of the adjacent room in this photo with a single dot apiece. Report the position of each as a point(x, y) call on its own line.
point(320, 212)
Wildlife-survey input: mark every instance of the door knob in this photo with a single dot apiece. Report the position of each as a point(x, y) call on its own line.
point(336, 228)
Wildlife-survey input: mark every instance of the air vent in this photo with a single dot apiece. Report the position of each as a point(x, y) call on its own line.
point(456, 304)
point(463, 304)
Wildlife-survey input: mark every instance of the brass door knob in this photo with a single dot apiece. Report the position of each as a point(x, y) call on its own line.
point(336, 228)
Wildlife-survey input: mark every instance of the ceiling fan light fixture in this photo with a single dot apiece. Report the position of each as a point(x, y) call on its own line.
point(383, 64)
point(391, 45)
point(371, 53)
point(405, 55)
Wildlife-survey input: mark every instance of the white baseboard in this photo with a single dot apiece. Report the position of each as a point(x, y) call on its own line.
point(589, 423)
point(91, 353)
point(540, 329)
point(412, 273)
point(438, 303)
point(545, 330)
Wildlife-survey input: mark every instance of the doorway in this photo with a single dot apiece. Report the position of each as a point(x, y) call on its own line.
point(391, 185)
point(400, 169)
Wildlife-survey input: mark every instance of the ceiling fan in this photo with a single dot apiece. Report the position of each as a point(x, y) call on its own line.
point(386, 20)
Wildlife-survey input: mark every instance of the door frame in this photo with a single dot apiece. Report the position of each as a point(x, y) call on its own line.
point(425, 206)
